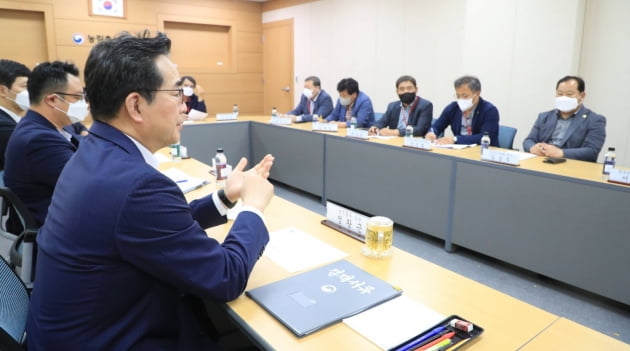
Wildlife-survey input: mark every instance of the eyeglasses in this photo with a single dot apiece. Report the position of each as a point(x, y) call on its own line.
point(80, 96)
point(180, 93)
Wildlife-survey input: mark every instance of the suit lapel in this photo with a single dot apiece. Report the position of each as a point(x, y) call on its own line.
point(581, 115)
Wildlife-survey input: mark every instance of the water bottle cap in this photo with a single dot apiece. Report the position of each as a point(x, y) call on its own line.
point(220, 149)
point(486, 133)
point(611, 149)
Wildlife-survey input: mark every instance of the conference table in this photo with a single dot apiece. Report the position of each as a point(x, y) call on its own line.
point(509, 324)
point(562, 221)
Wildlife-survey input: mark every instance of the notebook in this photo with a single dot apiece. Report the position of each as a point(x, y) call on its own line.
point(185, 182)
point(315, 299)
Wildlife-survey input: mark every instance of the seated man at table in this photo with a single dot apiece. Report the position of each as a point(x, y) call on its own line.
point(13, 100)
point(314, 101)
point(352, 103)
point(469, 116)
point(40, 147)
point(411, 110)
point(570, 130)
point(123, 259)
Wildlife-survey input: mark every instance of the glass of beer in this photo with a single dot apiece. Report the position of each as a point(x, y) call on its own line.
point(379, 237)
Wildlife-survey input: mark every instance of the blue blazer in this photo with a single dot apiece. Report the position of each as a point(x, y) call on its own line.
point(7, 125)
point(362, 110)
point(323, 106)
point(583, 140)
point(486, 119)
point(122, 252)
point(420, 118)
point(194, 103)
point(34, 158)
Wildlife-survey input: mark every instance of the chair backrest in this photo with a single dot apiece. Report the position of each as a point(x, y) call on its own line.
point(13, 308)
point(20, 223)
point(506, 137)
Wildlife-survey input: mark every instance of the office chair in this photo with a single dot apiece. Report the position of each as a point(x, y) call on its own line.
point(21, 224)
point(13, 309)
point(378, 115)
point(506, 137)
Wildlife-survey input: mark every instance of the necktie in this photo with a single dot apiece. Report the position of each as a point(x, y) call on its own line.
point(466, 115)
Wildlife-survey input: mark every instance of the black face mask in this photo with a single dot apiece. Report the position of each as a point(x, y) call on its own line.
point(407, 98)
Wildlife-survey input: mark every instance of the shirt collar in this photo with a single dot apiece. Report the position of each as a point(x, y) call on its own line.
point(65, 134)
point(15, 117)
point(146, 154)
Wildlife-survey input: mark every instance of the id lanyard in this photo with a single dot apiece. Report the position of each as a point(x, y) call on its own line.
point(413, 106)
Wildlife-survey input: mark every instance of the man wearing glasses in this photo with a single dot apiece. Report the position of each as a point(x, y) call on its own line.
point(469, 116)
point(39, 147)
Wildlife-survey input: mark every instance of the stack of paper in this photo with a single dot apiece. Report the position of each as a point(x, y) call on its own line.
point(185, 182)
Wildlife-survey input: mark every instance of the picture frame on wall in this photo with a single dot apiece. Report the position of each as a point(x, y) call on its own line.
point(107, 8)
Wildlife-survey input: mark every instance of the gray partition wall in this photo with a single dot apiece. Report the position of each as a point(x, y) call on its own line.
point(568, 229)
point(202, 141)
point(411, 187)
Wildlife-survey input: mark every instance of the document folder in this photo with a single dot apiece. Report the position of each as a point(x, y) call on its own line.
point(315, 299)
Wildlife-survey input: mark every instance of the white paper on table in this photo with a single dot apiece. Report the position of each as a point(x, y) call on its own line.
point(195, 115)
point(454, 146)
point(525, 155)
point(161, 158)
point(184, 181)
point(394, 322)
point(384, 137)
point(295, 250)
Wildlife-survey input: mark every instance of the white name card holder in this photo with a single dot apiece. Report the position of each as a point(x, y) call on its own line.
point(325, 127)
point(357, 133)
point(503, 157)
point(417, 143)
point(346, 221)
point(226, 116)
point(281, 121)
point(619, 176)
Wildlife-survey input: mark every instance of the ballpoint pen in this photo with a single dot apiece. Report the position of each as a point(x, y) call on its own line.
point(422, 338)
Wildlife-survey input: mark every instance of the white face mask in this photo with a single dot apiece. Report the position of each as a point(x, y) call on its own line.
point(22, 100)
point(77, 111)
point(344, 101)
point(308, 93)
point(188, 91)
point(464, 104)
point(566, 104)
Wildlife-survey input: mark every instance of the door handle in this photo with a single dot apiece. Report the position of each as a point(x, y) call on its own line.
point(286, 89)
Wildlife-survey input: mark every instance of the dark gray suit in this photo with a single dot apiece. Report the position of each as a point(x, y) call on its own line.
point(420, 117)
point(583, 140)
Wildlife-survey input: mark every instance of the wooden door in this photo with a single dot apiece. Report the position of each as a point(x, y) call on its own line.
point(278, 66)
point(23, 36)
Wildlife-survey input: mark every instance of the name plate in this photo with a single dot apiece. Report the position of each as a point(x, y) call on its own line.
point(325, 127)
point(226, 116)
point(619, 176)
point(418, 143)
point(283, 121)
point(346, 221)
point(357, 133)
point(504, 157)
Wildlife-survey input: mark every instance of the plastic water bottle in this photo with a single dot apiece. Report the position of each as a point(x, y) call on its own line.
point(353, 122)
point(609, 162)
point(176, 152)
point(235, 110)
point(274, 112)
point(315, 120)
point(485, 142)
point(409, 131)
point(219, 163)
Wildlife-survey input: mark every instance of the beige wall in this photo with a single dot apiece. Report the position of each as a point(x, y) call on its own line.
point(237, 81)
point(518, 48)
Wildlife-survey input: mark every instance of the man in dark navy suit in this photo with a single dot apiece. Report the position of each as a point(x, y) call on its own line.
point(40, 147)
point(13, 100)
point(314, 101)
point(123, 257)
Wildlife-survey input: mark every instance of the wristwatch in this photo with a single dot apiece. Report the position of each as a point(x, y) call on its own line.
point(224, 199)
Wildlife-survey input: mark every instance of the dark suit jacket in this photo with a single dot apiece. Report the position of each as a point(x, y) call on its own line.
point(35, 156)
point(194, 103)
point(362, 110)
point(323, 106)
point(7, 125)
point(486, 119)
point(583, 140)
point(121, 252)
point(420, 118)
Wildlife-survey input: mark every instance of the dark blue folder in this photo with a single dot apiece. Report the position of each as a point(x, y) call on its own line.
point(312, 300)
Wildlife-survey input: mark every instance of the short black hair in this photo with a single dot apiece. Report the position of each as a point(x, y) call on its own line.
point(49, 77)
point(350, 85)
point(181, 80)
point(473, 83)
point(315, 80)
point(580, 81)
point(406, 79)
point(9, 70)
point(119, 66)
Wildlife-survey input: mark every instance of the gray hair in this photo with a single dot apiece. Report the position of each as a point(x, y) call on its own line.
point(473, 83)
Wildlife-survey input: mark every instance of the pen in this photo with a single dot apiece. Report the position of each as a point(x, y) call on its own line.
point(458, 344)
point(446, 336)
point(441, 345)
point(423, 338)
point(182, 181)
